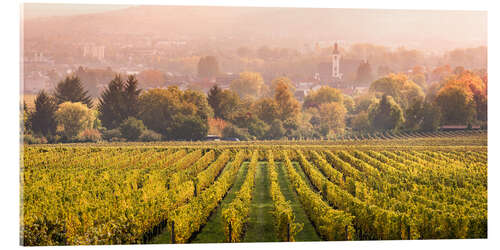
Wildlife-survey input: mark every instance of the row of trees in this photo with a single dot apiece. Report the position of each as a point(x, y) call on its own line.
point(397, 102)
point(123, 112)
point(252, 110)
point(393, 102)
point(63, 115)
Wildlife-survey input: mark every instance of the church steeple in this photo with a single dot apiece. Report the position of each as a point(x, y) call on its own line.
point(336, 49)
point(336, 62)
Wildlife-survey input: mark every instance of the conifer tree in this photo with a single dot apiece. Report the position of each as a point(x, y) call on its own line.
point(132, 92)
point(42, 120)
point(71, 90)
point(118, 101)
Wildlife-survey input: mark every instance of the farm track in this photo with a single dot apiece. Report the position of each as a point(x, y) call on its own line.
point(213, 231)
point(308, 233)
point(260, 226)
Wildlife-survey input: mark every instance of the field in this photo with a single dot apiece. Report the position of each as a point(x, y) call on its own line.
point(403, 187)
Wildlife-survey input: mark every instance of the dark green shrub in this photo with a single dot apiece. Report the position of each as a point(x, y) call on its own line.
point(132, 128)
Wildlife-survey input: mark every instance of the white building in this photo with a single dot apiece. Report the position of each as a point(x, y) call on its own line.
point(93, 51)
point(336, 63)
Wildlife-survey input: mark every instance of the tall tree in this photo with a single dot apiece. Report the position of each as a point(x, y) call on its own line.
point(25, 118)
point(223, 102)
point(399, 87)
point(431, 117)
point(74, 118)
point(267, 110)
point(462, 99)
point(288, 106)
point(364, 74)
point(386, 115)
point(280, 81)
point(332, 117)
point(132, 93)
point(457, 105)
point(71, 90)
point(214, 99)
point(43, 118)
point(119, 101)
point(276, 131)
point(208, 67)
point(248, 84)
point(112, 109)
point(174, 113)
point(324, 94)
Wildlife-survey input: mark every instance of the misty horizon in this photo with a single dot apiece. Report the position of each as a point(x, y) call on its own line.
point(431, 30)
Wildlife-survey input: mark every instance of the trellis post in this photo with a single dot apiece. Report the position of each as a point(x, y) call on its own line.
point(288, 231)
point(172, 234)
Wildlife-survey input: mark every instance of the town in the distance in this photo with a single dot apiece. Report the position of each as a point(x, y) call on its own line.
point(336, 81)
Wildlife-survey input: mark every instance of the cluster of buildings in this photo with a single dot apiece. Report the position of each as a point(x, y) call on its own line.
point(332, 74)
point(93, 51)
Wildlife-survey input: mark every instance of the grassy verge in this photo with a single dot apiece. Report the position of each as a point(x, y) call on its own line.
point(213, 231)
point(260, 225)
point(308, 232)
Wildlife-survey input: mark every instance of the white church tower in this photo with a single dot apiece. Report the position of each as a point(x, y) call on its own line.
point(336, 63)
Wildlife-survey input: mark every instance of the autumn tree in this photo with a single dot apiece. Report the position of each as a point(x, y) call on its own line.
point(73, 118)
point(288, 107)
point(431, 117)
point(458, 99)
point(71, 90)
point(267, 109)
point(363, 102)
point(386, 114)
point(456, 104)
point(248, 84)
point(414, 116)
point(324, 94)
point(25, 118)
point(332, 117)
point(223, 102)
point(174, 113)
point(258, 128)
point(281, 81)
point(361, 122)
point(399, 87)
point(131, 128)
point(276, 130)
point(349, 103)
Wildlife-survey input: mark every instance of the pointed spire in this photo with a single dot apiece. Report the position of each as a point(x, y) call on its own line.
point(336, 48)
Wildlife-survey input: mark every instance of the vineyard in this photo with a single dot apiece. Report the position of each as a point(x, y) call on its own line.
point(380, 189)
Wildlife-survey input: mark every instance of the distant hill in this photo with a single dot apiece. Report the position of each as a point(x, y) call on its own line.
point(422, 29)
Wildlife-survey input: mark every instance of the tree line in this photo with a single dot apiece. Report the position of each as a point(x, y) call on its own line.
point(250, 110)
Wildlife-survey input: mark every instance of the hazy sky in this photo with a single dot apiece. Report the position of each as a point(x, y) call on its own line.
point(33, 10)
point(440, 29)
